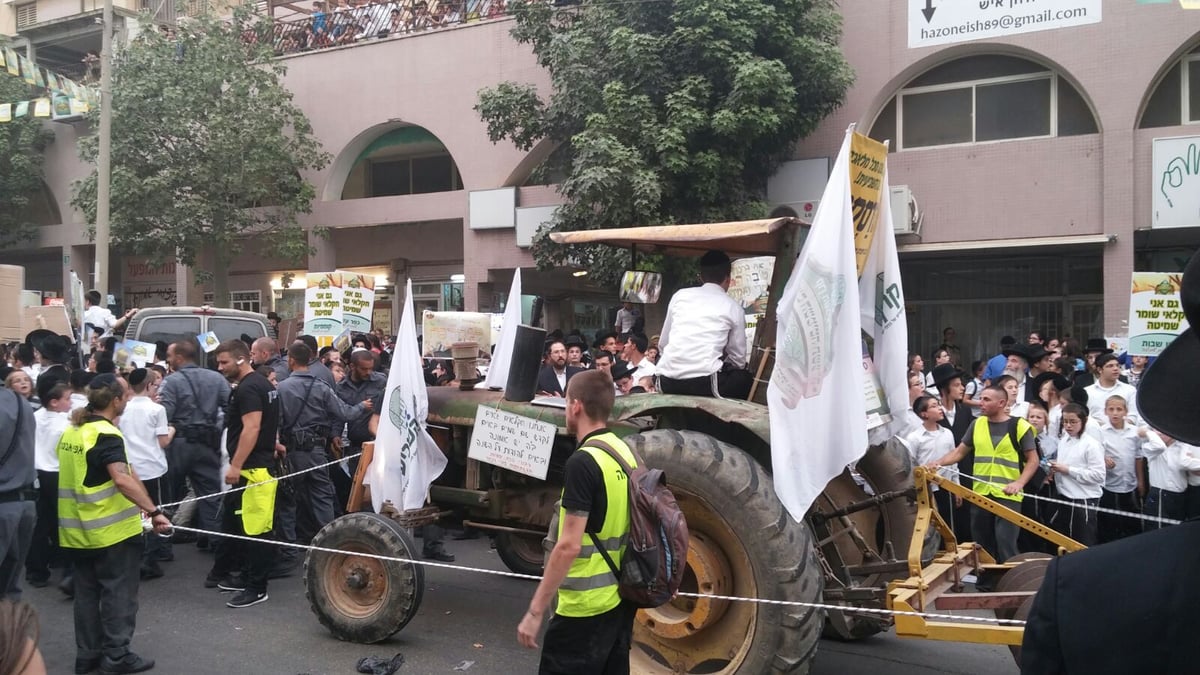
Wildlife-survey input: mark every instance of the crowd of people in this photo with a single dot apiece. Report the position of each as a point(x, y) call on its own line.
point(341, 22)
point(1048, 417)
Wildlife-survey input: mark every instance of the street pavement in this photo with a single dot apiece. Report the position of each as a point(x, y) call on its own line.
point(466, 623)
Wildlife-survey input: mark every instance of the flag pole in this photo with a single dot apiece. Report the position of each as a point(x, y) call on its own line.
point(104, 155)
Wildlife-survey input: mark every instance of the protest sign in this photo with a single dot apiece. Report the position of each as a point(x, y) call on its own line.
point(1155, 314)
point(323, 311)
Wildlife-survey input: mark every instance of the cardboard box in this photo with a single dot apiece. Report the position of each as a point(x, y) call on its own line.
point(12, 281)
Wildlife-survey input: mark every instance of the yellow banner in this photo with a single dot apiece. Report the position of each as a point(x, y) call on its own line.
point(868, 158)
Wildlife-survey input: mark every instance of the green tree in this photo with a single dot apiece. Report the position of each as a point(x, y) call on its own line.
point(207, 148)
point(22, 142)
point(667, 112)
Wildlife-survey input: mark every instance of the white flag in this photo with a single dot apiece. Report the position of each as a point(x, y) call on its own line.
point(406, 460)
point(882, 296)
point(815, 397)
point(497, 376)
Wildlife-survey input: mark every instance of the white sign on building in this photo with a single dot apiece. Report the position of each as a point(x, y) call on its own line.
point(939, 22)
point(1175, 182)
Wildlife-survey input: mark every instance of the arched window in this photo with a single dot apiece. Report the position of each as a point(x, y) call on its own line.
point(983, 98)
point(404, 161)
point(1176, 98)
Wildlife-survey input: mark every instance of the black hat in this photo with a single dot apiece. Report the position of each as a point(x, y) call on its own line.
point(621, 369)
point(1169, 392)
point(37, 336)
point(576, 341)
point(1060, 382)
point(54, 348)
point(1098, 345)
point(1035, 353)
point(944, 373)
point(1017, 350)
point(137, 376)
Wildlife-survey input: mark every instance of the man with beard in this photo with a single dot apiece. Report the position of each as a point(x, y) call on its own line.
point(553, 378)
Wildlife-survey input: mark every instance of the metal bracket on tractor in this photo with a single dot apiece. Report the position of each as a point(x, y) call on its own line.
point(937, 586)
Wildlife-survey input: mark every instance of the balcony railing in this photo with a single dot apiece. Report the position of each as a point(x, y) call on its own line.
point(367, 22)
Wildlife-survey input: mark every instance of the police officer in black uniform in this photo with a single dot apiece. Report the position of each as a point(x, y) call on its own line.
point(18, 497)
point(194, 398)
point(310, 414)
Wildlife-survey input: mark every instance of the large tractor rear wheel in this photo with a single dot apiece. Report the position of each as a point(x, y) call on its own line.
point(521, 553)
point(363, 599)
point(744, 544)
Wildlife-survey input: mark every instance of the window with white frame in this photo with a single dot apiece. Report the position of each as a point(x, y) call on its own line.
point(979, 99)
point(1176, 97)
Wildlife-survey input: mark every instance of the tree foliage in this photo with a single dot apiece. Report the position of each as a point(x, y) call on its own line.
point(207, 148)
point(667, 111)
point(22, 142)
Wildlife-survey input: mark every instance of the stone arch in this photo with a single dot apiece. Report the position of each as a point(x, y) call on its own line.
point(1189, 46)
point(380, 138)
point(956, 52)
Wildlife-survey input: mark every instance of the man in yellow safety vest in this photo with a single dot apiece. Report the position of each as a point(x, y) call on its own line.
point(100, 501)
point(592, 626)
point(998, 462)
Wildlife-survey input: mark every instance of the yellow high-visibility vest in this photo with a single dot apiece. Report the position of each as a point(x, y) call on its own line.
point(591, 587)
point(997, 463)
point(90, 517)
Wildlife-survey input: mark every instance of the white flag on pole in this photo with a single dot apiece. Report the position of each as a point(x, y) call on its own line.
point(497, 376)
point(816, 395)
point(882, 303)
point(406, 459)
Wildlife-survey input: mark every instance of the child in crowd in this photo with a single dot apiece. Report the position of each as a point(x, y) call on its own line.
point(974, 387)
point(144, 425)
point(1016, 407)
point(927, 443)
point(1079, 471)
point(52, 419)
point(1123, 484)
point(1169, 463)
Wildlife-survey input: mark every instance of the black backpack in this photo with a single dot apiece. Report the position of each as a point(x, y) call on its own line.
point(1039, 477)
point(656, 550)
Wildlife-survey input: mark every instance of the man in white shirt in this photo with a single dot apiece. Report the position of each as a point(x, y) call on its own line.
point(99, 316)
point(1107, 384)
point(643, 369)
point(704, 335)
point(627, 317)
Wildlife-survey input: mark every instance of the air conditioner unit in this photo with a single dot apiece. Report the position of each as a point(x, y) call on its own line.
point(805, 211)
point(906, 216)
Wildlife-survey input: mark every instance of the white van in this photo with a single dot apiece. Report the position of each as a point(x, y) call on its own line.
point(168, 324)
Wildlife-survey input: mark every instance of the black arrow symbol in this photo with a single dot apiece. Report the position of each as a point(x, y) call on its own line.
point(929, 10)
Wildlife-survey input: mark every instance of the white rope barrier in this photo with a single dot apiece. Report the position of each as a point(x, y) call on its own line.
point(274, 479)
point(1098, 509)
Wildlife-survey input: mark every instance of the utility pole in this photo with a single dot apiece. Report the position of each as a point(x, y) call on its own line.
point(104, 156)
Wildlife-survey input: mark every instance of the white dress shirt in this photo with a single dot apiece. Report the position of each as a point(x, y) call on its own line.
point(1085, 476)
point(100, 317)
point(1124, 447)
point(141, 424)
point(50, 428)
point(1169, 465)
point(702, 325)
point(1098, 395)
point(1189, 452)
point(645, 368)
point(925, 446)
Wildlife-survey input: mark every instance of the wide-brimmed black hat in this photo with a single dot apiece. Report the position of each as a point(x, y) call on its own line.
point(1016, 350)
point(1098, 345)
point(621, 369)
point(944, 373)
point(1060, 383)
point(37, 336)
point(54, 347)
point(1168, 396)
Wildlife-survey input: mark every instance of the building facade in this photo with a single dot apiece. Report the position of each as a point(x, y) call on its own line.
point(1023, 138)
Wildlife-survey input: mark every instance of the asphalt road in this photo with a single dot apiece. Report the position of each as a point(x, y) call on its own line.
point(466, 622)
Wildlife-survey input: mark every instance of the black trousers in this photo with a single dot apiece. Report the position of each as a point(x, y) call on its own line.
point(305, 503)
point(153, 543)
point(106, 604)
point(1163, 504)
point(1113, 527)
point(731, 383)
point(200, 464)
point(17, 520)
point(1193, 501)
point(43, 550)
point(1078, 521)
point(592, 645)
point(254, 559)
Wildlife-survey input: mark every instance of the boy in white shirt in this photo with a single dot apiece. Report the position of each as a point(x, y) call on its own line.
point(1169, 463)
point(925, 444)
point(1123, 484)
point(52, 419)
point(974, 387)
point(144, 425)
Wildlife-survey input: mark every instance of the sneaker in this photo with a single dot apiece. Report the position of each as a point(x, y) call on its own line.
point(85, 666)
point(247, 599)
point(232, 579)
point(438, 554)
point(232, 586)
point(130, 663)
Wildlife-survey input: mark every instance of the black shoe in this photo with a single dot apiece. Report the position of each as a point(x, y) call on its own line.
point(438, 554)
point(151, 571)
point(131, 663)
point(233, 579)
point(67, 586)
point(247, 599)
point(85, 666)
point(203, 543)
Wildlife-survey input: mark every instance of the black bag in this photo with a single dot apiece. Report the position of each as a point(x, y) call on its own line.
point(656, 552)
point(1039, 477)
